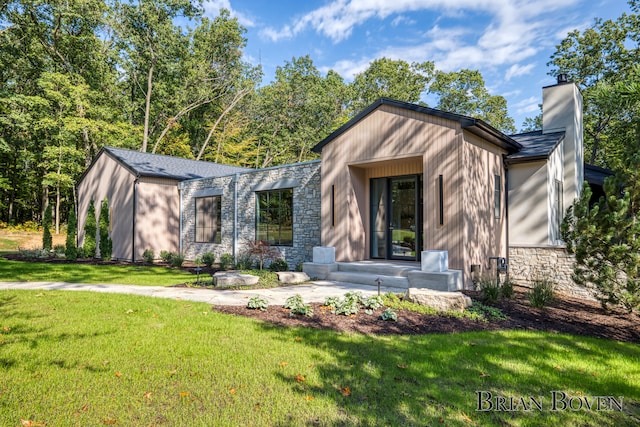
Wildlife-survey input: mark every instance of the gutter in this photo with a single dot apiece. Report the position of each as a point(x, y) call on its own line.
point(180, 218)
point(506, 208)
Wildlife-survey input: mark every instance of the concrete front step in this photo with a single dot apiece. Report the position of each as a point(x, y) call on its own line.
point(369, 279)
point(379, 268)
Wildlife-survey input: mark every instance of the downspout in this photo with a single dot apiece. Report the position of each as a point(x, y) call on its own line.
point(235, 179)
point(133, 222)
point(506, 207)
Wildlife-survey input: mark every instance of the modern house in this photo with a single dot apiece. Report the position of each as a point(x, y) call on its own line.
point(396, 179)
point(142, 192)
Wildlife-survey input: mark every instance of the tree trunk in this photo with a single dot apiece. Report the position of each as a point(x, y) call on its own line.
point(58, 208)
point(147, 110)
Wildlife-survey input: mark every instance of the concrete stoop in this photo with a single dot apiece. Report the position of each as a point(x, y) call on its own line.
point(397, 275)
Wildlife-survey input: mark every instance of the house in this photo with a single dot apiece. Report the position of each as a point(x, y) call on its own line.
point(142, 191)
point(395, 180)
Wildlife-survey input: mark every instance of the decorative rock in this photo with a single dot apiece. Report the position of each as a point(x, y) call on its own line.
point(225, 279)
point(443, 301)
point(292, 277)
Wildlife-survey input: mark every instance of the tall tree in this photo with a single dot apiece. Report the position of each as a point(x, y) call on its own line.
point(70, 247)
point(605, 237)
point(603, 53)
point(152, 46)
point(105, 243)
point(396, 79)
point(464, 92)
point(295, 111)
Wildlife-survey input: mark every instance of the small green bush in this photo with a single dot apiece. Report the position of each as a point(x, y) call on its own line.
point(332, 302)
point(226, 261)
point(299, 267)
point(490, 288)
point(71, 250)
point(373, 302)
point(176, 260)
point(208, 259)
point(257, 303)
point(279, 264)
point(541, 294)
point(148, 255)
point(58, 251)
point(389, 314)
point(82, 253)
point(244, 262)
point(297, 306)
point(165, 256)
point(484, 313)
point(506, 290)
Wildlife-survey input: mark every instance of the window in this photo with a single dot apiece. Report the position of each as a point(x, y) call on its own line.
point(208, 214)
point(497, 195)
point(274, 217)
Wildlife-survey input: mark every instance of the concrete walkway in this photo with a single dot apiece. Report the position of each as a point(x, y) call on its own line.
point(316, 291)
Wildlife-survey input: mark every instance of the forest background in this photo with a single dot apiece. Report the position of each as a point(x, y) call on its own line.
point(77, 75)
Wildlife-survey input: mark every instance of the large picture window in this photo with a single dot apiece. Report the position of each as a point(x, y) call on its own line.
point(274, 217)
point(208, 219)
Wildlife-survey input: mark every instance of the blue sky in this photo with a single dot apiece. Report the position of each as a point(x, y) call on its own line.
point(509, 41)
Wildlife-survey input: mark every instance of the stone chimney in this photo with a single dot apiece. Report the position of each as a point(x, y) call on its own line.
point(562, 111)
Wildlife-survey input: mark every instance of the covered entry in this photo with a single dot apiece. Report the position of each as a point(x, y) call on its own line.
point(396, 217)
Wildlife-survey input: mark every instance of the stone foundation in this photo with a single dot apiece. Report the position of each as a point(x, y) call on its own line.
point(527, 263)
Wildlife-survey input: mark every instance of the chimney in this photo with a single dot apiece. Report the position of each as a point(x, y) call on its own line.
point(562, 111)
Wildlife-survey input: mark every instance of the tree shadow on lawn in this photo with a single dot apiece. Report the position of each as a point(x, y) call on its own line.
point(435, 378)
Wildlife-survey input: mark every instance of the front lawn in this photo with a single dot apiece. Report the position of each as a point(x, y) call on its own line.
point(77, 358)
point(24, 271)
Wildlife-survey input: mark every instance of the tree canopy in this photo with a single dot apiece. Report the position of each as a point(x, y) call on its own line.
point(158, 76)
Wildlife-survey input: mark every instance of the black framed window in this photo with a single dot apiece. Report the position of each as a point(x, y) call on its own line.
point(208, 222)
point(274, 216)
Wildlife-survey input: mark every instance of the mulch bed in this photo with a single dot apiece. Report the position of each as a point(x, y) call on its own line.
point(564, 315)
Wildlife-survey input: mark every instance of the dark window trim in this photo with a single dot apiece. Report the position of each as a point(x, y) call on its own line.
point(258, 213)
point(441, 199)
point(217, 217)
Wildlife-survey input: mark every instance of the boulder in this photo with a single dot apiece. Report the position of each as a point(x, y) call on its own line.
point(225, 279)
point(443, 301)
point(292, 277)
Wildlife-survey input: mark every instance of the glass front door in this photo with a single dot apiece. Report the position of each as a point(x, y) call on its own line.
point(396, 224)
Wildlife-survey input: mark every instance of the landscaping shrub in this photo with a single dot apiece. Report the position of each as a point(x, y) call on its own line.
point(149, 256)
point(373, 302)
point(244, 262)
point(58, 251)
point(90, 228)
point(208, 259)
point(279, 264)
point(257, 303)
point(47, 239)
point(490, 288)
point(70, 247)
point(299, 267)
point(506, 290)
point(176, 260)
point(297, 306)
point(262, 251)
point(106, 245)
point(165, 256)
point(389, 314)
point(541, 294)
point(82, 253)
point(226, 261)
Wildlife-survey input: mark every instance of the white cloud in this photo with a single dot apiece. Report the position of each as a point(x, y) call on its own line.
point(517, 70)
point(212, 9)
point(528, 105)
point(401, 19)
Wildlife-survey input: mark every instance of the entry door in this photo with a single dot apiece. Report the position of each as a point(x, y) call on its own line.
point(396, 222)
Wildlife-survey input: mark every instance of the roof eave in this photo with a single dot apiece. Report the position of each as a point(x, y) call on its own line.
point(527, 159)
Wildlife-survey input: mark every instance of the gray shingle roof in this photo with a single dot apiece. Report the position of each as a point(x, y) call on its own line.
point(536, 145)
point(161, 166)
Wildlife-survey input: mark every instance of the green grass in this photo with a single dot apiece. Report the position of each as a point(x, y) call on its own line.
point(20, 271)
point(76, 358)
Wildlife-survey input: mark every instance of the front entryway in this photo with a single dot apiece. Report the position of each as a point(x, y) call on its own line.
point(396, 217)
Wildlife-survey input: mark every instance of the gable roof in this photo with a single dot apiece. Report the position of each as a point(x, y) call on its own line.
point(475, 126)
point(162, 166)
point(535, 145)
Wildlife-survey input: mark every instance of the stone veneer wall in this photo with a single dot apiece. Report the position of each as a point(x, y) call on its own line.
point(526, 263)
point(306, 210)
